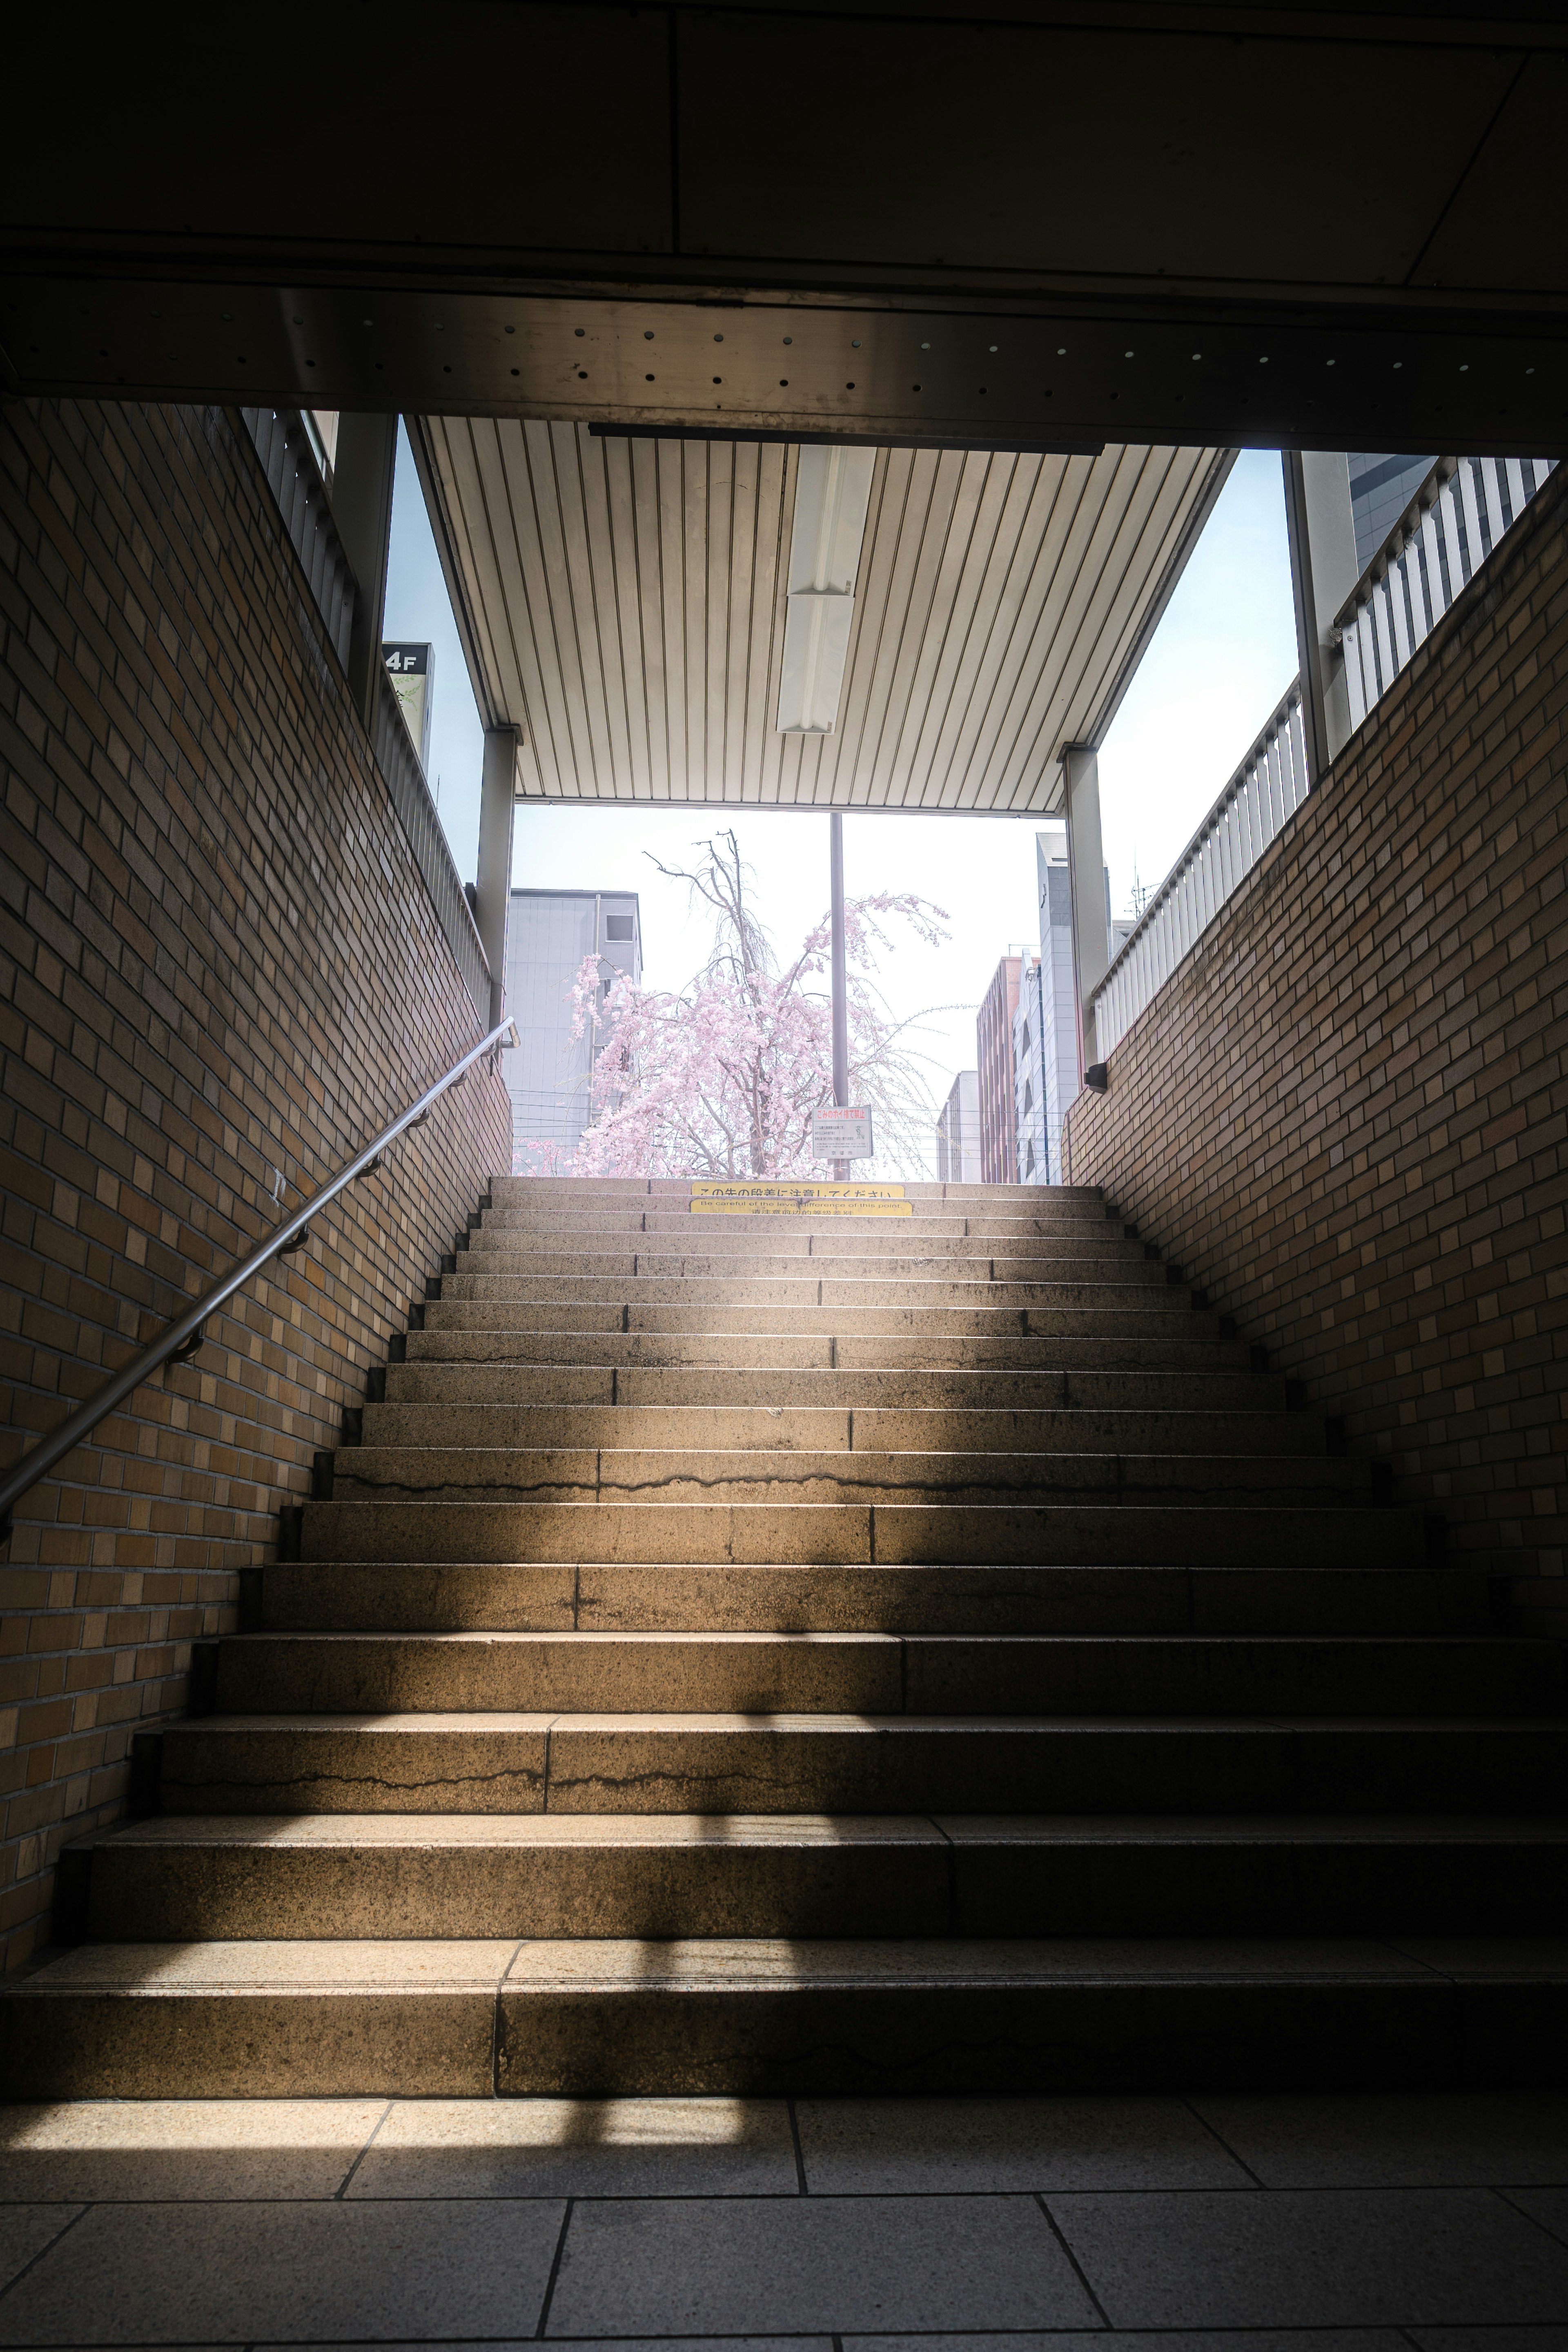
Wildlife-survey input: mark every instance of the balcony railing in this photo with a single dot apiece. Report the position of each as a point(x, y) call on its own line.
point(1442, 539)
point(1444, 535)
point(1269, 785)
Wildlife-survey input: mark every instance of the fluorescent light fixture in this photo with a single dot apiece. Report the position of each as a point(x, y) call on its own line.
point(832, 492)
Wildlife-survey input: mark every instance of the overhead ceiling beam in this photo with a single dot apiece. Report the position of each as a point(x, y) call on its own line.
point(1358, 218)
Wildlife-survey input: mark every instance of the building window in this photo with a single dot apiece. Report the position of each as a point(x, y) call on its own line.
point(617, 927)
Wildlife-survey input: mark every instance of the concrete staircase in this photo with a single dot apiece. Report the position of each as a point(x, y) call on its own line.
point(816, 1653)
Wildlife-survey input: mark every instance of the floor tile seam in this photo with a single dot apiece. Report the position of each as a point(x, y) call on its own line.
point(46, 2251)
point(1428, 1967)
point(554, 2271)
point(802, 2184)
point(1216, 2134)
point(1503, 2198)
point(945, 2195)
point(1078, 2270)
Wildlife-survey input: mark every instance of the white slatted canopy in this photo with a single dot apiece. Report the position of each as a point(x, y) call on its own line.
point(622, 601)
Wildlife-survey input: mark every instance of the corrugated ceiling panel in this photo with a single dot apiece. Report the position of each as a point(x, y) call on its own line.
point(628, 609)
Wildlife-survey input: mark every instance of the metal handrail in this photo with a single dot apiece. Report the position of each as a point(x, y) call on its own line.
point(179, 1340)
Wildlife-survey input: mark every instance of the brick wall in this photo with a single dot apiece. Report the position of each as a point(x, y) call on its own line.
point(218, 961)
point(1344, 1115)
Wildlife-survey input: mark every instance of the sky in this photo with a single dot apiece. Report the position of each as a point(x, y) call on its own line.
point(1221, 658)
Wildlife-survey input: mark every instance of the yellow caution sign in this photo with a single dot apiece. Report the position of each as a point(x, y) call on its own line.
point(803, 1208)
point(772, 1188)
point(769, 1197)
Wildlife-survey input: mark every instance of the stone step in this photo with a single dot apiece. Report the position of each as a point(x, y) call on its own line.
point(348, 1596)
point(1240, 1396)
point(677, 1226)
point(1196, 1352)
point(583, 1673)
point(670, 1475)
point(770, 2017)
point(782, 1764)
point(1105, 1533)
point(1164, 1316)
point(878, 1254)
point(737, 1426)
point(1125, 1262)
point(336, 1876)
point(588, 1190)
point(1132, 1285)
point(1001, 1201)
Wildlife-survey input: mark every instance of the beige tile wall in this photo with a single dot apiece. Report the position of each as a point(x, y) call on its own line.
point(1346, 1115)
point(217, 961)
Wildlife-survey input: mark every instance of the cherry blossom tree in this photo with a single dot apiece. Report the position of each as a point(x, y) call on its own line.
point(720, 1077)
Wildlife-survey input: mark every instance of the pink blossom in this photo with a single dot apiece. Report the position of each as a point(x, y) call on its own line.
point(720, 1080)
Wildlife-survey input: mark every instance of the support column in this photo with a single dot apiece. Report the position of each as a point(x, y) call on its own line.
point(492, 887)
point(1086, 872)
point(1323, 569)
point(362, 513)
point(840, 980)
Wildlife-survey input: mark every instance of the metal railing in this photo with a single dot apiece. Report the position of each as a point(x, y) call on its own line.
point(179, 1340)
point(1440, 542)
point(1444, 535)
point(427, 836)
point(286, 447)
point(1268, 787)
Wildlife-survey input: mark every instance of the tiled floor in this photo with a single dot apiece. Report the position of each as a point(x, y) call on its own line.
point(1285, 2224)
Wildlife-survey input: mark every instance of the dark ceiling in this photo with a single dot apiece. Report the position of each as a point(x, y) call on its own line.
point(1225, 225)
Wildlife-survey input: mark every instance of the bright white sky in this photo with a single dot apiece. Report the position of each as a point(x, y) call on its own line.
point(1220, 660)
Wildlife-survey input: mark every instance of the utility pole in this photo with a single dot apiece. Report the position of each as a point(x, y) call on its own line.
point(840, 995)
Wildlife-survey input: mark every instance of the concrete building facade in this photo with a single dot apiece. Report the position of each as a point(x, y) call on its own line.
point(993, 1047)
point(958, 1132)
point(550, 935)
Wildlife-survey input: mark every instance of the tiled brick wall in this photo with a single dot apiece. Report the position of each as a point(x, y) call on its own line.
point(1344, 1114)
point(218, 960)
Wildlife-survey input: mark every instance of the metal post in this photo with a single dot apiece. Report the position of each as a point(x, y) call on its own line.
point(1086, 873)
point(1320, 526)
point(361, 512)
point(492, 887)
point(840, 989)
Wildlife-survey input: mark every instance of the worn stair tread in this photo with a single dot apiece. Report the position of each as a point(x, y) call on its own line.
point(1238, 1397)
point(1110, 1529)
point(692, 1596)
point(497, 1762)
point(1017, 1353)
point(462, 1472)
point(687, 1640)
point(737, 1426)
point(885, 1672)
point(268, 1833)
point(1130, 1288)
point(730, 1964)
point(727, 1964)
point(1146, 1313)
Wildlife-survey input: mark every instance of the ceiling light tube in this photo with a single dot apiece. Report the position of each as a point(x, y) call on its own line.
point(832, 492)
